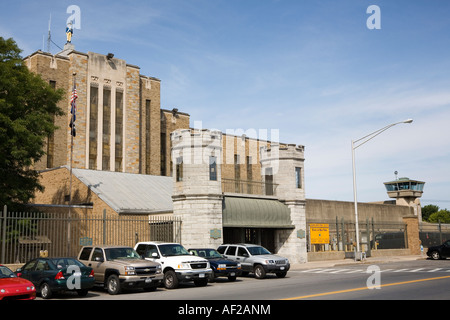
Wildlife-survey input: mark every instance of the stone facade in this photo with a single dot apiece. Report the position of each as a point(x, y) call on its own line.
point(197, 196)
point(97, 144)
point(286, 164)
point(54, 70)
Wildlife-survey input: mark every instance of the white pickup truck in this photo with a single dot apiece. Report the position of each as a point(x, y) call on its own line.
point(177, 263)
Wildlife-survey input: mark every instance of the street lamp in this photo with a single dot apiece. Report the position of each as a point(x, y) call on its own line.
point(356, 144)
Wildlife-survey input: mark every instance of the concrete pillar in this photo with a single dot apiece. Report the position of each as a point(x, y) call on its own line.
point(412, 229)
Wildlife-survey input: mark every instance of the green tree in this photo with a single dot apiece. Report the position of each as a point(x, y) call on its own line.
point(442, 215)
point(27, 107)
point(428, 210)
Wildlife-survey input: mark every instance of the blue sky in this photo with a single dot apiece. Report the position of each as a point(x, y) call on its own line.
point(310, 69)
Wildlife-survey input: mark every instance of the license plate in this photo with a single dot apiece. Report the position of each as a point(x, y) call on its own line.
point(232, 274)
point(281, 268)
point(148, 280)
point(201, 275)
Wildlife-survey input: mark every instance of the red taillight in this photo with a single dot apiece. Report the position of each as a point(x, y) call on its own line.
point(91, 275)
point(59, 276)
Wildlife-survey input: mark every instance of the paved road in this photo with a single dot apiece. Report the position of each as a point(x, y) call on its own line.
point(405, 280)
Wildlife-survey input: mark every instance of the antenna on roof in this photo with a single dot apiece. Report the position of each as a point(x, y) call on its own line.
point(49, 37)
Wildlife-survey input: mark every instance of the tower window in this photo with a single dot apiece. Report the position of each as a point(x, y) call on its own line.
point(213, 168)
point(298, 177)
point(179, 169)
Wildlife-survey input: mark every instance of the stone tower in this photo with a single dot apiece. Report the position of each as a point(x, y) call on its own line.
point(285, 166)
point(197, 195)
point(407, 192)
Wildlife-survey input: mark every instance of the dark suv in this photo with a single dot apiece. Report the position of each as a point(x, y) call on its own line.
point(439, 252)
point(221, 267)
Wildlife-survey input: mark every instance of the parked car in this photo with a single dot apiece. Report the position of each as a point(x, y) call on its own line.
point(221, 267)
point(51, 275)
point(119, 267)
point(256, 259)
point(439, 252)
point(178, 264)
point(14, 288)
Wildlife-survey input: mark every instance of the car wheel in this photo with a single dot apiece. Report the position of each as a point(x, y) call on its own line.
point(201, 283)
point(281, 274)
point(435, 255)
point(259, 271)
point(46, 292)
point(232, 278)
point(150, 288)
point(113, 284)
point(82, 292)
point(170, 280)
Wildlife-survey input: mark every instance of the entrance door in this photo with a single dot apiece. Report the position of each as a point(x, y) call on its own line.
point(259, 236)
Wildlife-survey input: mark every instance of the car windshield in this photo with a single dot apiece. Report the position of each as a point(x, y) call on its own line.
point(121, 253)
point(168, 250)
point(6, 273)
point(207, 253)
point(62, 263)
point(256, 251)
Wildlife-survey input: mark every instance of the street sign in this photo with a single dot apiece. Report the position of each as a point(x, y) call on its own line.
point(319, 233)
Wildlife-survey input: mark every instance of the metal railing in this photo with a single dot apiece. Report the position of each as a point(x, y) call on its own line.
point(433, 234)
point(24, 234)
point(248, 187)
point(373, 235)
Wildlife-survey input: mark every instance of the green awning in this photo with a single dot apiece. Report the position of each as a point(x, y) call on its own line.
point(255, 213)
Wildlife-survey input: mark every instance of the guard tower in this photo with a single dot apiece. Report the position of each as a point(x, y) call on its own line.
point(407, 192)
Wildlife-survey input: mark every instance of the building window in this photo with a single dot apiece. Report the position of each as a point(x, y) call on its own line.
point(179, 169)
point(106, 150)
point(93, 127)
point(268, 179)
point(298, 177)
point(51, 138)
point(213, 168)
point(147, 136)
point(237, 174)
point(119, 131)
point(163, 154)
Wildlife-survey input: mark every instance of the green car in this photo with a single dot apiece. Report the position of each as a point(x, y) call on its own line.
point(51, 275)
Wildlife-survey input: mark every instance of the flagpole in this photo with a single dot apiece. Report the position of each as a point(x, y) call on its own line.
point(72, 121)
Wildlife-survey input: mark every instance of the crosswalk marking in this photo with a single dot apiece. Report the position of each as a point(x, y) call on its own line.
point(400, 270)
point(349, 271)
point(416, 270)
point(340, 271)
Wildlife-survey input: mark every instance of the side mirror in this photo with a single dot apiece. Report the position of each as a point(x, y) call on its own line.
point(155, 255)
point(18, 272)
point(99, 259)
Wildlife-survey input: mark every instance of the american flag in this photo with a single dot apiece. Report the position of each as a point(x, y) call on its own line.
point(73, 110)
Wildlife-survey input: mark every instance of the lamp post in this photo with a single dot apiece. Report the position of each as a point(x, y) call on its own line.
point(356, 144)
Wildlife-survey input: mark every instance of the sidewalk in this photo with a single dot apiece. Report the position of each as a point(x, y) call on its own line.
point(367, 261)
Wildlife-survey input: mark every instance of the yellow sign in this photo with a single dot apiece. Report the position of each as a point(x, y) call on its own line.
point(319, 233)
